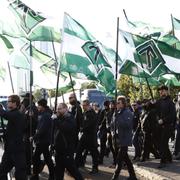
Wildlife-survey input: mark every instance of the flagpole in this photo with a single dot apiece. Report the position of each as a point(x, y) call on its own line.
point(58, 73)
point(117, 46)
point(30, 98)
point(58, 76)
point(173, 32)
point(147, 82)
point(125, 14)
point(72, 84)
point(10, 75)
point(150, 90)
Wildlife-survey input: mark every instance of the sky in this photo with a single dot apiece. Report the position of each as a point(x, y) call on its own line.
point(100, 16)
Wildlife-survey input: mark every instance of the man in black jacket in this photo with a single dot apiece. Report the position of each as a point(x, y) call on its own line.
point(14, 154)
point(167, 117)
point(76, 111)
point(65, 130)
point(89, 137)
point(42, 139)
point(31, 118)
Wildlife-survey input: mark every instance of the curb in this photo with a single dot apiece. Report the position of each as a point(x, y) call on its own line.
point(149, 175)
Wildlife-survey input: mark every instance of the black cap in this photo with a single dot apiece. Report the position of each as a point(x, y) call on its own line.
point(163, 87)
point(42, 102)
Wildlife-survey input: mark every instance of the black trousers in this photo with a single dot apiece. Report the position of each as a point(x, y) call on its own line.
point(29, 152)
point(165, 152)
point(42, 149)
point(149, 147)
point(66, 162)
point(103, 148)
point(10, 160)
point(111, 147)
point(90, 144)
point(123, 157)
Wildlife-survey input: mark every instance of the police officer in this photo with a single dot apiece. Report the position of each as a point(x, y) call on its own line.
point(167, 117)
point(14, 153)
point(42, 139)
point(65, 130)
point(88, 139)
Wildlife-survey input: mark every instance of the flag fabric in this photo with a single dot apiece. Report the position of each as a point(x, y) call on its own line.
point(73, 59)
point(9, 26)
point(151, 81)
point(169, 80)
point(7, 43)
point(162, 56)
point(82, 53)
point(145, 29)
point(170, 39)
point(27, 17)
point(2, 72)
point(176, 23)
point(45, 33)
point(93, 51)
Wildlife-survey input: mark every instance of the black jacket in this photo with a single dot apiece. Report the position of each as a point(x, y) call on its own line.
point(14, 131)
point(65, 131)
point(90, 123)
point(44, 127)
point(30, 122)
point(76, 111)
point(166, 111)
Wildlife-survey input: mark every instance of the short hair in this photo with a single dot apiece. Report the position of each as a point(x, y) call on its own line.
point(64, 105)
point(106, 103)
point(163, 87)
point(86, 101)
point(122, 99)
point(72, 95)
point(42, 102)
point(15, 99)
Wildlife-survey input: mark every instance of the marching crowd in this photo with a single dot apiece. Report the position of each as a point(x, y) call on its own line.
point(71, 133)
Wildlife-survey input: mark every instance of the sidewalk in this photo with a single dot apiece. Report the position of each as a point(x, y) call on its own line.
point(145, 170)
point(148, 170)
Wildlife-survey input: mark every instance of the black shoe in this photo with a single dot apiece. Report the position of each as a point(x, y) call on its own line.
point(51, 177)
point(131, 178)
point(34, 177)
point(115, 177)
point(161, 165)
point(94, 171)
point(41, 166)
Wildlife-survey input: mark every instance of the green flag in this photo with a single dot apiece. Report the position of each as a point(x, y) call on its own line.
point(27, 17)
point(176, 23)
point(153, 56)
point(145, 29)
point(74, 60)
point(106, 78)
point(82, 53)
point(93, 51)
point(7, 43)
point(45, 33)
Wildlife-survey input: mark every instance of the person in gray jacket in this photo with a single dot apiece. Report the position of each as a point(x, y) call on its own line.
point(124, 124)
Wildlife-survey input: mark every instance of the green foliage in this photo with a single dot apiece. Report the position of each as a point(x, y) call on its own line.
point(139, 91)
point(37, 94)
point(88, 85)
